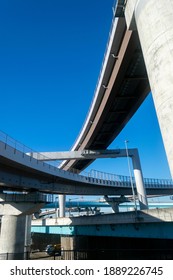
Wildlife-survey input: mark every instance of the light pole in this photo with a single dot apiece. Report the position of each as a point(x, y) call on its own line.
point(56, 209)
point(69, 208)
point(130, 173)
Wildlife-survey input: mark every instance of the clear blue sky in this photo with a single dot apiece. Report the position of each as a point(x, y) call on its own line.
point(50, 57)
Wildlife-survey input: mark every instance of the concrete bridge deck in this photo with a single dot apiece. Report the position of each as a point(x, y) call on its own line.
point(153, 223)
point(144, 216)
point(20, 171)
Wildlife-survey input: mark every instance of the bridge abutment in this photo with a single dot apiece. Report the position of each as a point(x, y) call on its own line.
point(153, 21)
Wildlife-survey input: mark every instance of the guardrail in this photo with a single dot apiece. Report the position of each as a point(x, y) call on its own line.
point(149, 182)
point(8, 140)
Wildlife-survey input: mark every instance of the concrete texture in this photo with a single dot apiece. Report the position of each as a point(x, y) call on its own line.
point(153, 20)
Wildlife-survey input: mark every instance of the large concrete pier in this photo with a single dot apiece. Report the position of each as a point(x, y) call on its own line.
point(153, 22)
point(15, 233)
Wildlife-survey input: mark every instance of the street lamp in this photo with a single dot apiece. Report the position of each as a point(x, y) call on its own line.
point(56, 209)
point(130, 173)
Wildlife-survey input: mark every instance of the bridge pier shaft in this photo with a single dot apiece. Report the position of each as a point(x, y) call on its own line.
point(62, 199)
point(153, 21)
point(141, 192)
point(15, 233)
point(12, 238)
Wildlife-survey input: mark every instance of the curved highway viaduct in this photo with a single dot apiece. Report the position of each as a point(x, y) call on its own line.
point(139, 58)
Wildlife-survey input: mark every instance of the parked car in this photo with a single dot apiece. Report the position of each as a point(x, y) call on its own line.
point(53, 249)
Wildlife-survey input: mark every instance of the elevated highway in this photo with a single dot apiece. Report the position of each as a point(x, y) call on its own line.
point(122, 87)
point(145, 33)
point(21, 172)
point(138, 59)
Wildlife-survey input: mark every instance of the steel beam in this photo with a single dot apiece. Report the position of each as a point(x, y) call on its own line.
point(95, 154)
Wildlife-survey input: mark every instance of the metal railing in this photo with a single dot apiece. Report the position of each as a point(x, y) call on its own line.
point(153, 183)
point(21, 147)
point(18, 146)
point(121, 179)
point(96, 254)
point(15, 256)
point(108, 176)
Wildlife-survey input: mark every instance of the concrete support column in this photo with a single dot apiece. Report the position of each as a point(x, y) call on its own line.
point(115, 206)
point(68, 245)
point(16, 210)
point(27, 244)
point(154, 23)
point(141, 192)
point(113, 202)
point(75, 247)
point(62, 199)
point(12, 239)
